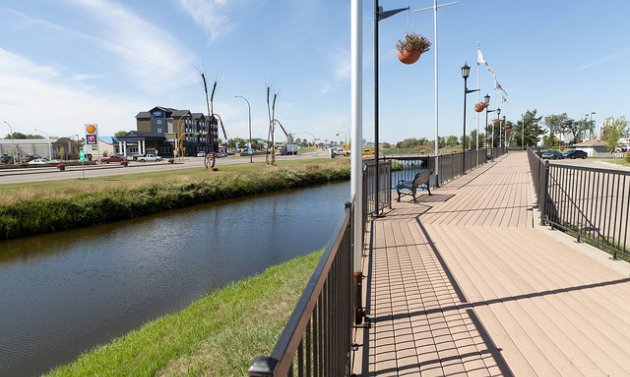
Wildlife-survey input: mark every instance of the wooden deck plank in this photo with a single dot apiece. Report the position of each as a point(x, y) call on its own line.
point(486, 293)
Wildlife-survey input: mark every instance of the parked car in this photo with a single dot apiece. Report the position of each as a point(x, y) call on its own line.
point(551, 155)
point(574, 153)
point(114, 158)
point(6, 159)
point(201, 154)
point(39, 161)
point(149, 157)
point(28, 158)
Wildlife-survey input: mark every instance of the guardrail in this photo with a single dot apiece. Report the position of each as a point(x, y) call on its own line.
point(317, 339)
point(384, 186)
point(589, 203)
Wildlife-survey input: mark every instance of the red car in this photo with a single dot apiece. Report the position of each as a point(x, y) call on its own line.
point(113, 158)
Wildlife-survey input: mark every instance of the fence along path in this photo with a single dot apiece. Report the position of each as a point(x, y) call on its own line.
point(465, 282)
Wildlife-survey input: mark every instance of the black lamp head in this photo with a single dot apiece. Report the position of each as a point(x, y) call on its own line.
point(465, 71)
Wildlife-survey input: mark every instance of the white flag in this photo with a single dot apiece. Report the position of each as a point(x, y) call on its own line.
point(480, 58)
point(498, 86)
point(504, 99)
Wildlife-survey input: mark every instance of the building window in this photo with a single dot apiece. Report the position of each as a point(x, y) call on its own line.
point(158, 121)
point(159, 130)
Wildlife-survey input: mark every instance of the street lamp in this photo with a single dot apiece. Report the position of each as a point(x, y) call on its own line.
point(249, 112)
point(465, 74)
point(49, 143)
point(12, 141)
point(379, 15)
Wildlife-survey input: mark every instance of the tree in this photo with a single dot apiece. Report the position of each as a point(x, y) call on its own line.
point(452, 141)
point(527, 129)
point(550, 140)
point(556, 123)
point(613, 130)
point(120, 133)
point(408, 143)
point(19, 135)
point(473, 139)
point(468, 143)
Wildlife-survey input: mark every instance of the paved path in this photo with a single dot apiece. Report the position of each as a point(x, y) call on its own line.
point(465, 282)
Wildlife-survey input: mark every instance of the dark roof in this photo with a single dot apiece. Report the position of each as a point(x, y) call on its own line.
point(135, 135)
point(198, 115)
point(143, 114)
point(180, 113)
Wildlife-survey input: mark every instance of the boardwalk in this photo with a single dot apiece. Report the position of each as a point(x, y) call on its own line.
point(465, 282)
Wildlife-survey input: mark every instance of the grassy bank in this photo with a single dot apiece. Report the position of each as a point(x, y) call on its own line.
point(218, 335)
point(61, 205)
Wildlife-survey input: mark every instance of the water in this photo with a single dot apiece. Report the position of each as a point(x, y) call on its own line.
point(61, 294)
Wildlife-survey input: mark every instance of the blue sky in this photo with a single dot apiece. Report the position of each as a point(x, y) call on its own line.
point(64, 63)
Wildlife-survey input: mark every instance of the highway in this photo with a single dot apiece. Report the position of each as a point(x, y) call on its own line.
point(39, 174)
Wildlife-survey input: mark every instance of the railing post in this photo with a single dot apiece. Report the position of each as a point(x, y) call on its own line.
point(544, 193)
point(263, 366)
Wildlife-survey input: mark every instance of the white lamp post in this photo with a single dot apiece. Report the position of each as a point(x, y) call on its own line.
point(12, 141)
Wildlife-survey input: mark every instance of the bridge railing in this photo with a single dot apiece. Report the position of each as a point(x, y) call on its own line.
point(317, 338)
point(590, 203)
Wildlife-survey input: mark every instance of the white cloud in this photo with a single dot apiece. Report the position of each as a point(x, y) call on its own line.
point(211, 16)
point(604, 60)
point(154, 59)
point(38, 96)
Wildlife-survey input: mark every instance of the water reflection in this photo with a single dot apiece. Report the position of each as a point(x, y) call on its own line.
point(64, 293)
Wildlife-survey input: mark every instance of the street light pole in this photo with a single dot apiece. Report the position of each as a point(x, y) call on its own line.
point(434, 8)
point(49, 144)
point(12, 141)
point(249, 112)
point(379, 15)
point(465, 74)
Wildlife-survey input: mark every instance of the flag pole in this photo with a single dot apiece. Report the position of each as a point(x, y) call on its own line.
point(478, 94)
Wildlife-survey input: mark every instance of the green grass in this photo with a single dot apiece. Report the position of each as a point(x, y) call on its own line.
point(218, 335)
point(57, 206)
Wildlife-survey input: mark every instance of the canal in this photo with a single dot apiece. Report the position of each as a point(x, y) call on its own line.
point(62, 294)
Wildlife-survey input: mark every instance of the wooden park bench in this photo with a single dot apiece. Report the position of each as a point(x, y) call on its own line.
point(421, 180)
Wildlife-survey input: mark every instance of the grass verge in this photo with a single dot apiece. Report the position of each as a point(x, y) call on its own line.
point(70, 204)
point(218, 335)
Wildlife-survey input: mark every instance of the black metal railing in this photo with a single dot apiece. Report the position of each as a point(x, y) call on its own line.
point(317, 339)
point(384, 186)
point(452, 165)
point(538, 168)
point(591, 204)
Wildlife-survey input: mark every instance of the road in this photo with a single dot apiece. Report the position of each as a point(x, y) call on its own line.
point(102, 170)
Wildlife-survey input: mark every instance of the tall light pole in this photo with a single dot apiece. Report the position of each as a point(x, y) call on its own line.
point(590, 124)
point(12, 141)
point(486, 98)
point(502, 125)
point(49, 143)
point(465, 74)
point(434, 8)
point(249, 112)
point(379, 15)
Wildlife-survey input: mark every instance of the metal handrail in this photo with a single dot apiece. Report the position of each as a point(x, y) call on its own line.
point(588, 203)
point(317, 336)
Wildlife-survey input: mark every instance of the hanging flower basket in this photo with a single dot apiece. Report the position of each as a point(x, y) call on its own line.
point(408, 56)
point(496, 122)
point(480, 106)
point(412, 47)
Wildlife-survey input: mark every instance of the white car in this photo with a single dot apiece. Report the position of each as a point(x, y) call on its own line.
point(149, 157)
point(39, 161)
point(201, 154)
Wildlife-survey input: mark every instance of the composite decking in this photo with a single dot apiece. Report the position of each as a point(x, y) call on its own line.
point(465, 282)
